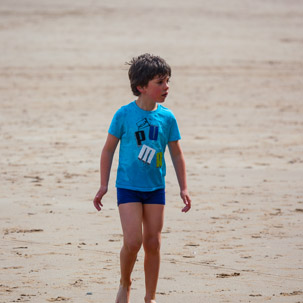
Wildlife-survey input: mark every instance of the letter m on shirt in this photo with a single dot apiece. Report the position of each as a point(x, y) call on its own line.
point(146, 154)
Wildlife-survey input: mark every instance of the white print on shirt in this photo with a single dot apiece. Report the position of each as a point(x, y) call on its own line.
point(146, 154)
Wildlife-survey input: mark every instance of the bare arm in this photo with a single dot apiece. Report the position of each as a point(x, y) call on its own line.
point(105, 167)
point(179, 165)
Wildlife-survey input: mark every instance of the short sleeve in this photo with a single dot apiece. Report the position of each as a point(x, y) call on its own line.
point(174, 134)
point(116, 126)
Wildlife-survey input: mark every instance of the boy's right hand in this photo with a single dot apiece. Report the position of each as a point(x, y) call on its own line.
point(97, 200)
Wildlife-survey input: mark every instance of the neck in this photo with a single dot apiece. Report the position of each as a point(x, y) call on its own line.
point(148, 105)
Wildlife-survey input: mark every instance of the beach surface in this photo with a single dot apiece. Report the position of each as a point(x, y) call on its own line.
point(237, 93)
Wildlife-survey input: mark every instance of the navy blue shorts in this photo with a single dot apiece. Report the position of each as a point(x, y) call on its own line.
point(144, 197)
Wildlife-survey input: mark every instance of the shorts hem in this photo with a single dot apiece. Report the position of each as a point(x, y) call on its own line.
point(133, 196)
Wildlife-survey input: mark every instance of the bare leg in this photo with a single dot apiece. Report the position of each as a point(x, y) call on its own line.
point(131, 221)
point(153, 216)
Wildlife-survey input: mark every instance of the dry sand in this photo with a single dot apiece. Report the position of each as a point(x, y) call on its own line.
point(237, 92)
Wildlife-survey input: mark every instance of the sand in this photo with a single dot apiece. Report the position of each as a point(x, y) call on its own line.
point(237, 92)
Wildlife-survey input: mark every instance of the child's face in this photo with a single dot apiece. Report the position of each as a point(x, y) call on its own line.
point(156, 89)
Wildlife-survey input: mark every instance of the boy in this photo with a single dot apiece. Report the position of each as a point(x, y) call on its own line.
point(144, 128)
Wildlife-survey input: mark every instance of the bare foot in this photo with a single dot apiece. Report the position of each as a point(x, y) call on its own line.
point(123, 294)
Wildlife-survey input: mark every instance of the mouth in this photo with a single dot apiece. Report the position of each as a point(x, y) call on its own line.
point(164, 95)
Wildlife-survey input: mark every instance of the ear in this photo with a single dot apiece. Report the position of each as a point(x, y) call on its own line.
point(141, 89)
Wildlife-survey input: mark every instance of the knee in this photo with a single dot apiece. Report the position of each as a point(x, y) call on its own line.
point(152, 245)
point(133, 245)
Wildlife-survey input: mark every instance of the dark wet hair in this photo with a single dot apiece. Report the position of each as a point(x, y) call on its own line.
point(145, 68)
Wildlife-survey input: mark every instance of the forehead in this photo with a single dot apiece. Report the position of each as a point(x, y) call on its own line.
point(160, 77)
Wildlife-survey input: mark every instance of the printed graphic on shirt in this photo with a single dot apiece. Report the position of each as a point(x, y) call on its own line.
point(146, 154)
point(142, 123)
point(140, 136)
point(159, 159)
point(153, 132)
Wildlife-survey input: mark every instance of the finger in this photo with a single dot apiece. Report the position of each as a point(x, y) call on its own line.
point(186, 209)
point(187, 203)
point(97, 203)
point(97, 206)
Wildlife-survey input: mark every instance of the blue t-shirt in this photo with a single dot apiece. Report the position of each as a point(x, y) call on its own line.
point(143, 138)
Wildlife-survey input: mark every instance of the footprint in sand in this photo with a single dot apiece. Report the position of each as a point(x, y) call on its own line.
point(58, 299)
point(222, 276)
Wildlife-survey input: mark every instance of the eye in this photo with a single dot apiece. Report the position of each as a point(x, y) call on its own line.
point(161, 81)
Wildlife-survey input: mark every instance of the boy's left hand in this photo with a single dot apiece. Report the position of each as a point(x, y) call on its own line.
point(97, 200)
point(186, 199)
